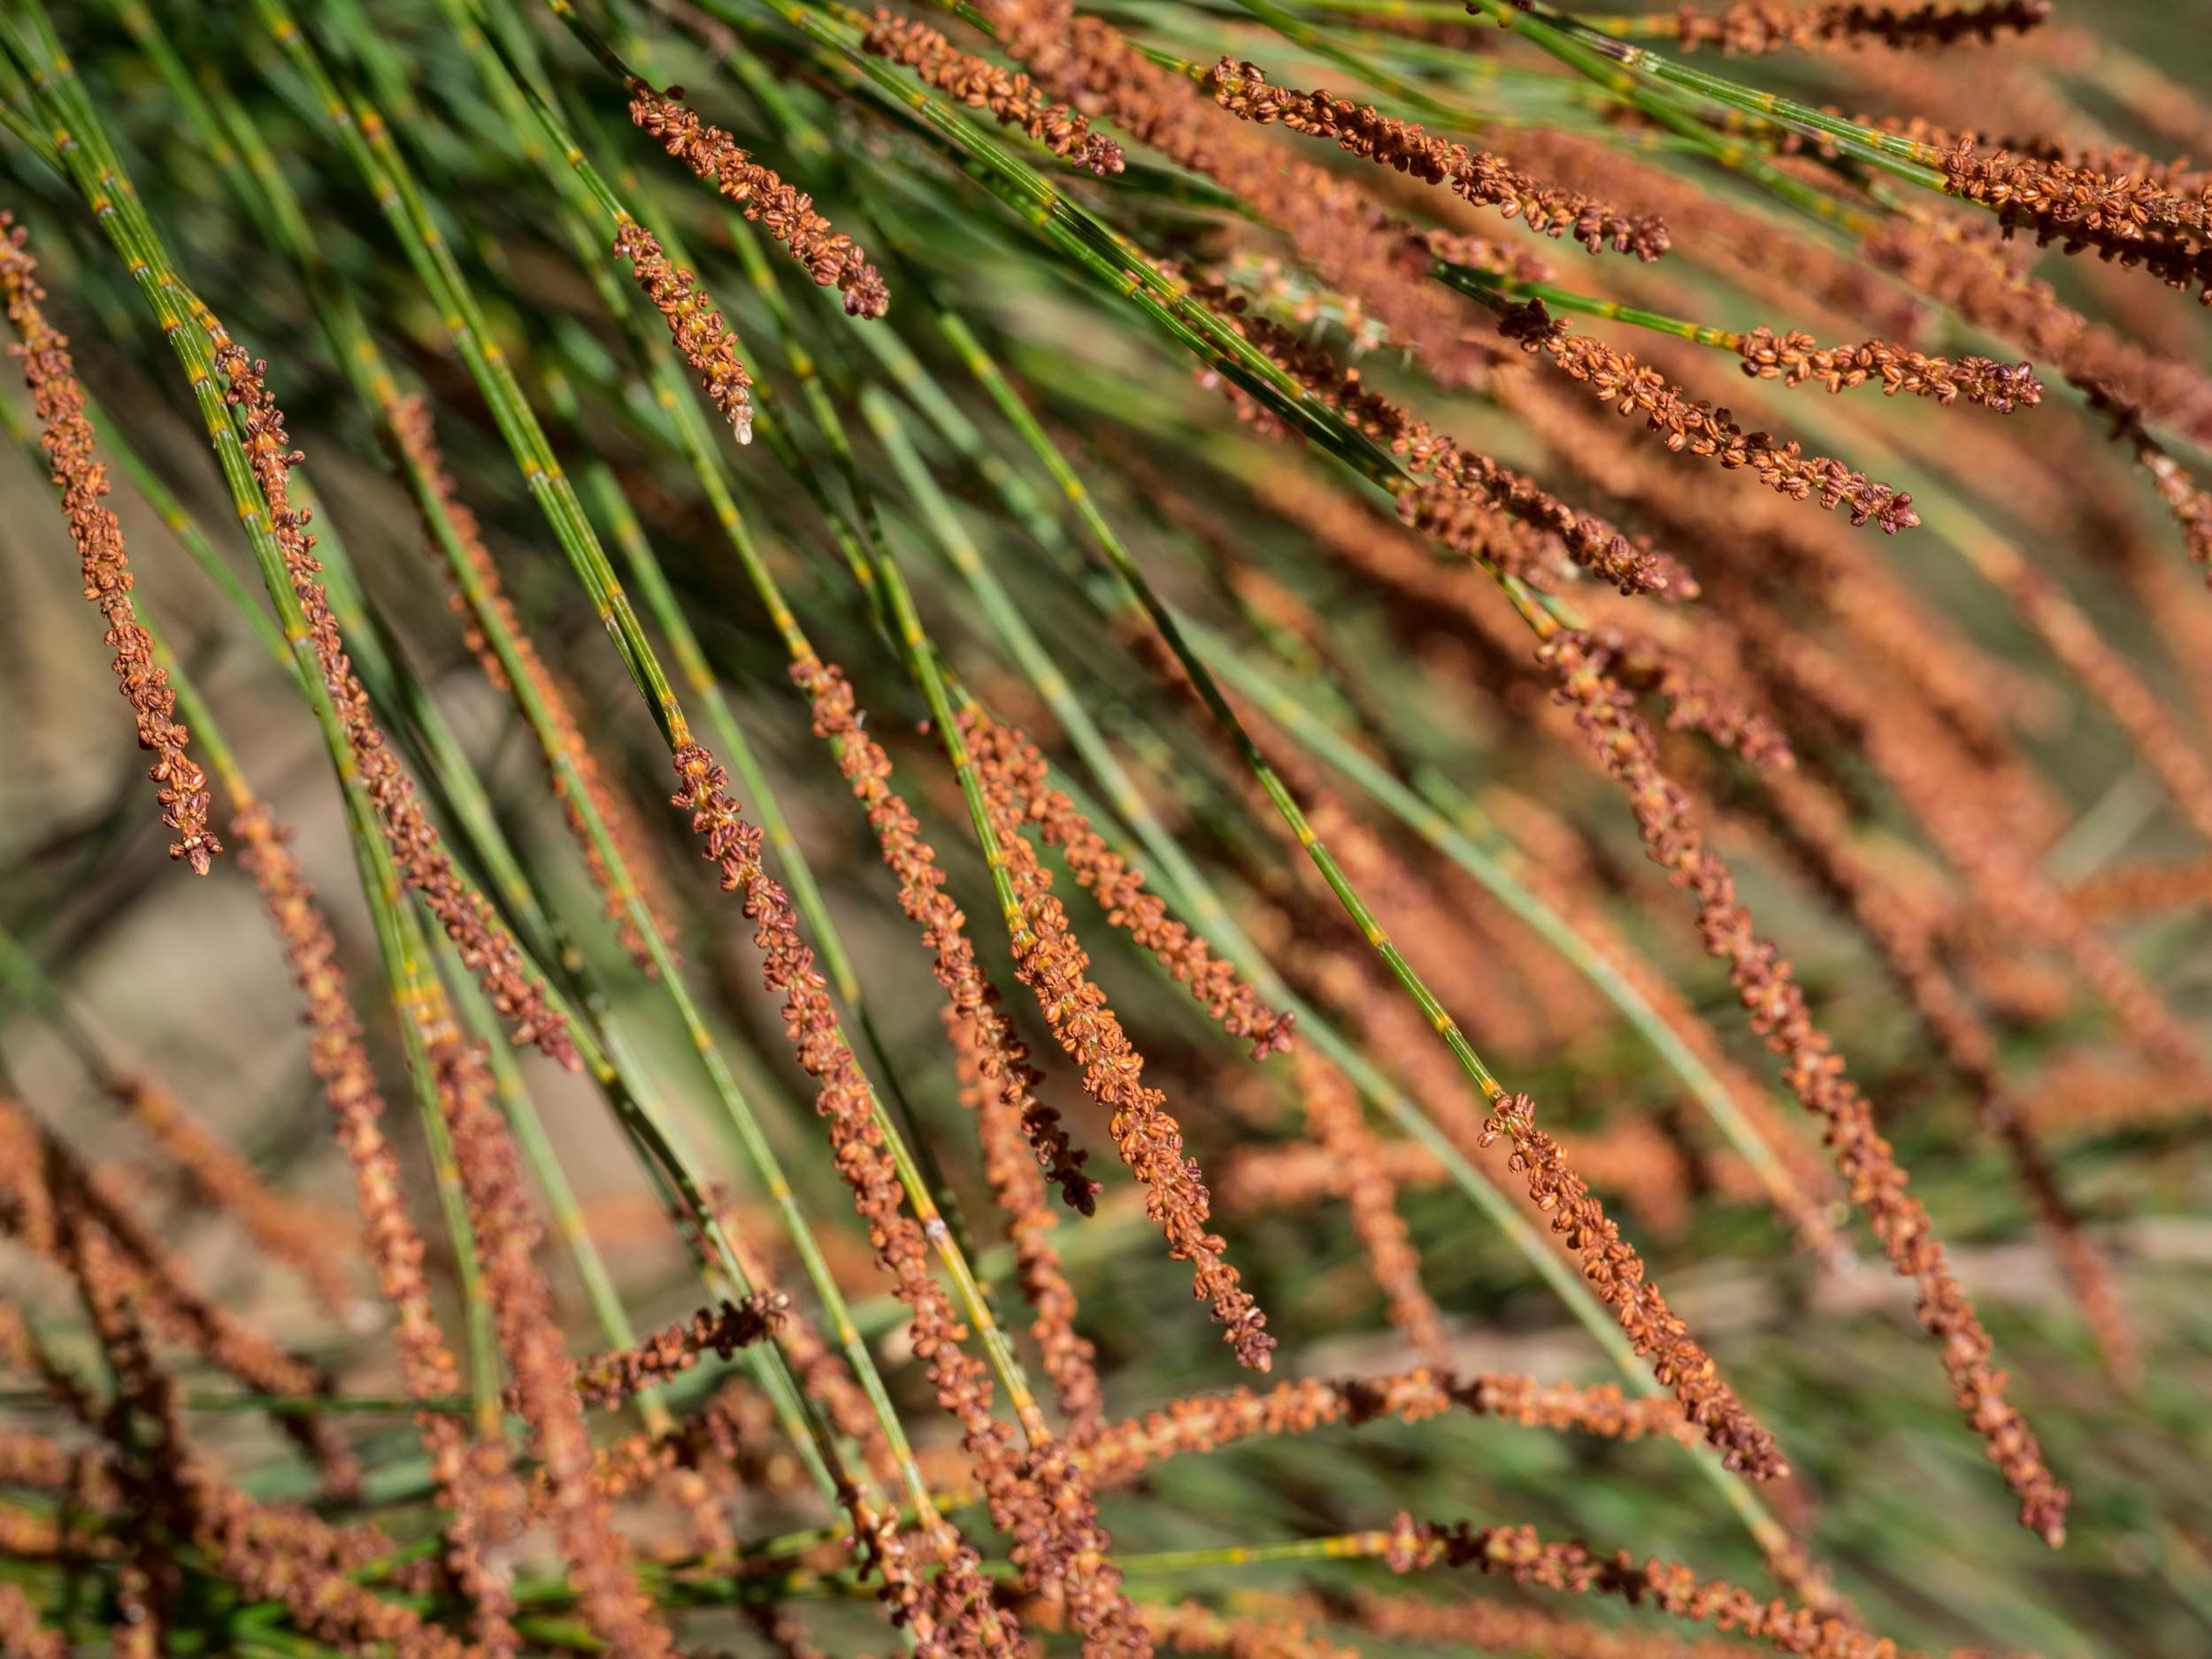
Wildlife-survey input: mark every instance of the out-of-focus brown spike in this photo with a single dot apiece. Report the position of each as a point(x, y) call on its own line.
point(416, 440)
point(1763, 26)
point(1770, 993)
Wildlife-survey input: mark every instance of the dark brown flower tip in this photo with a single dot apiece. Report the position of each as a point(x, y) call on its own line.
point(1012, 97)
point(1482, 179)
point(831, 258)
point(1793, 358)
point(1753, 26)
point(67, 437)
point(1612, 1266)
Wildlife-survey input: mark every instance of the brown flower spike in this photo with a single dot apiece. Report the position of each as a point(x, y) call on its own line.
point(1012, 97)
point(693, 324)
point(82, 479)
point(832, 258)
point(1770, 993)
point(465, 914)
point(1054, 966)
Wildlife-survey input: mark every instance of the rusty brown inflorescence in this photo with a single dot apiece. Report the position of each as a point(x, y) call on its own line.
point(1771, 995)
point(465, 914)
point(82, 479)
point(1480, 177)
point(1053, 964)
point(1766, 26)
point(832, 258)
point(1010, 96)
point(1699, 428)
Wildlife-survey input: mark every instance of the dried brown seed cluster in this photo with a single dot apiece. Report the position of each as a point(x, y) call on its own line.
point(340, 1058)
point(1053, 963)
point(1197, 1424)
point(82, 478)
point(972, 998)
point(1041, 1501)
point(1794, 358)
point(418, 443)
point(693, 324)
point(473, 1481)
point(1669, 1586)
point(465, 914)
point(1776, 1002)
point(1611, 1265)
point(617, 1610)
point(1466, 500)
point(831, 258)
point(2127, 219)
point(1477, 176)
point(1337, 1126)
point(1119, 888)
point(1336, 228)
point(846, 1107)
point(607, 1379)
point(1012, 99)
point(1615, 377)
point(1815, 826)
point(1694, 704)
point(1763, 25)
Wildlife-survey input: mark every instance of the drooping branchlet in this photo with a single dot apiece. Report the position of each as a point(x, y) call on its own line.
point(693, 324)
point(1053, 964)
point(1770, 993)
point(1794, 358)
